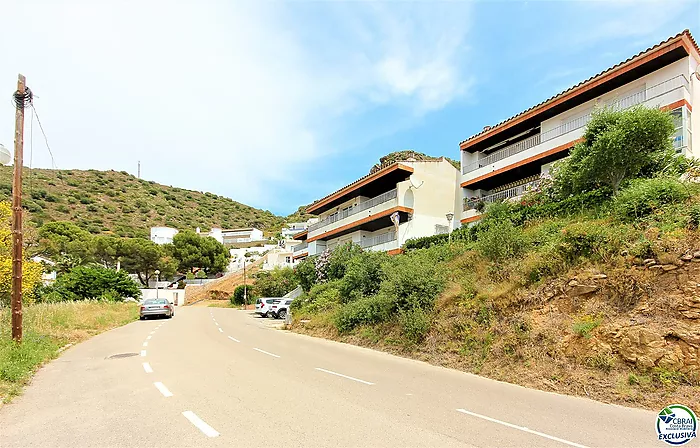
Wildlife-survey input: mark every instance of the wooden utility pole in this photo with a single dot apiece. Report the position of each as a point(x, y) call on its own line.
point(17, 210)
point(245, 287)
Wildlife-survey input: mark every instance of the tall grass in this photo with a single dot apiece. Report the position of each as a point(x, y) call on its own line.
point(47, 327)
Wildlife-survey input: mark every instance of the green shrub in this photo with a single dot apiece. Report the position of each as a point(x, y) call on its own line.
point(694, 216)
point(275, 283)
point(425, 242)
point(91, 282)
point(643, 196)
point(363, 275)
point(415, 324)
point(594, 240)
point(365, 311)
point(501, 240)
point(583, 326)
point(321, 297)
point(237, 298)
point(412, 281)
point(339, 258)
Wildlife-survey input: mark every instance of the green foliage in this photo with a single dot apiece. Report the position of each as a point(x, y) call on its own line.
point(425, 242)
point(275, 283)
point(200, 275)
point(593, 240)
point(412, 281)
point(501, 240)
point(93, 282)
point(321, 297)
point(643, 196)
point(239, 293)
point(583, 326)
point(17, 361)
point(414, 324)
point(306, 273)
point(617, 146)
point(367, 310)
point(194, 251)
point(363, 275)
point(63, 237)
point(339, 257)
point(694, 216)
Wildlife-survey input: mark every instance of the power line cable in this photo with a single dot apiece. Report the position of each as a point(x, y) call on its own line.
point(53, 162)
point(31, 149)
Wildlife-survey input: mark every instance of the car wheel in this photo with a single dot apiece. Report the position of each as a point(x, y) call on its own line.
point(142, 317)
point(282, 314)
point(263, 315)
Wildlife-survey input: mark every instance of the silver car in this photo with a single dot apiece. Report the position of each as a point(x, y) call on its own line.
point(156, 307)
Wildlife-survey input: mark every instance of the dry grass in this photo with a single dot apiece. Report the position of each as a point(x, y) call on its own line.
point(224, 287)
point(47, 328)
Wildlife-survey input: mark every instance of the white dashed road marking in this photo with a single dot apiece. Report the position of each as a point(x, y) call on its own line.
point(199, 423)
point(143, 352)
point(233, 339)
point(344, 376)
point(521, 428)
point(267, 353)
point(145, 344)
point(220, 330)
point(163, 390)
point(147, 367)
point(149, 337)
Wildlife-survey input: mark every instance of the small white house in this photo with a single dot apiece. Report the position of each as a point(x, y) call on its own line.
point(49, 274)
point(163, 235)
point(292, 228)
point(244, 235)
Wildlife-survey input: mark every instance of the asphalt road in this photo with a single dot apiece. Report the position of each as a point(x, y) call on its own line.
point(221, 377)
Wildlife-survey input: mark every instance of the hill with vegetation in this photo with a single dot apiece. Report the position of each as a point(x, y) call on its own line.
point(117, 203)
point(588, 285)
point(402, 156)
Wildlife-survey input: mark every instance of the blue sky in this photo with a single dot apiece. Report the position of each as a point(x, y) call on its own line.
point(276, 104)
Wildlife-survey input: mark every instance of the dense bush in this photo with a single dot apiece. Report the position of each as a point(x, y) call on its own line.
point(412, 281)
point(501, 240)
point(339, 258)
point(321, 297)
point(363, 275)
point(306, 273)
point(92, 282)
point(415, 324)
point(643, 196)
point(237, 298)
point(275, 283)
point(367, 310)
point(426, 241)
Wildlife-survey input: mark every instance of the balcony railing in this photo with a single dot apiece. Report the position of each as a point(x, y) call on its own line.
point(622, 103)
point(362, 206)
point(471, 203)
point(379, 239)
point(299, 247)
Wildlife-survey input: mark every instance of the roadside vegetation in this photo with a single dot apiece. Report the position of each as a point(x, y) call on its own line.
point(585, 286)
point(48, 327)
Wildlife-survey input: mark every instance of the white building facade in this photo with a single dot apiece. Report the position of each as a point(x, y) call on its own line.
point(506, 160)
point(293, 228)
point(384, 209)
point(245, 235)
point(163, 235)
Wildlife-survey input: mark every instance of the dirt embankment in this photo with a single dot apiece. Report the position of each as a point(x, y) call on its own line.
point(222, 288)
point(627, 334)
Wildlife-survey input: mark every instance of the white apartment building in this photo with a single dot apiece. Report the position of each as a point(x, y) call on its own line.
point(163, 235)
point(419, 194)
point(505, 160)
point(245, 235)
point(293, 228)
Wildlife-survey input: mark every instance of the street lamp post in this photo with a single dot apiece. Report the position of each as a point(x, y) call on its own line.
point(157, 272)
point(449, 217)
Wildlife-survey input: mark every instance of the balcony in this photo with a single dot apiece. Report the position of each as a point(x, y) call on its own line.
point(375, 201)
point(300, 247)
point(545, 140)
point(510, 193)
point(379, 239)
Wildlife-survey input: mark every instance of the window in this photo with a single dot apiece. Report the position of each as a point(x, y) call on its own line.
point(681, 136)
point(287, 259)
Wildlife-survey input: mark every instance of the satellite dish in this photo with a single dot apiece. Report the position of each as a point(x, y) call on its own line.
point(5, 155)
point(414, 182)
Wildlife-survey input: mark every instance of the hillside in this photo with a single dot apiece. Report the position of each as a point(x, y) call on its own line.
point(113, 202)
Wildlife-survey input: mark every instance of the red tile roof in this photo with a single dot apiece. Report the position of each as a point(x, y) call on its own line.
point(677, 38)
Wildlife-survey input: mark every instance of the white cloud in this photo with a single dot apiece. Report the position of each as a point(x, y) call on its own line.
point(239, 98)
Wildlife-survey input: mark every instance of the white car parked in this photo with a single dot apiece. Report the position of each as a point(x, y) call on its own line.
point(280, 310)
point(263, 304)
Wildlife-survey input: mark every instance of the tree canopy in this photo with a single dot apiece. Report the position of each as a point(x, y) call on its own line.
point(617, 146)
point(31, 272)
point(195, 251)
